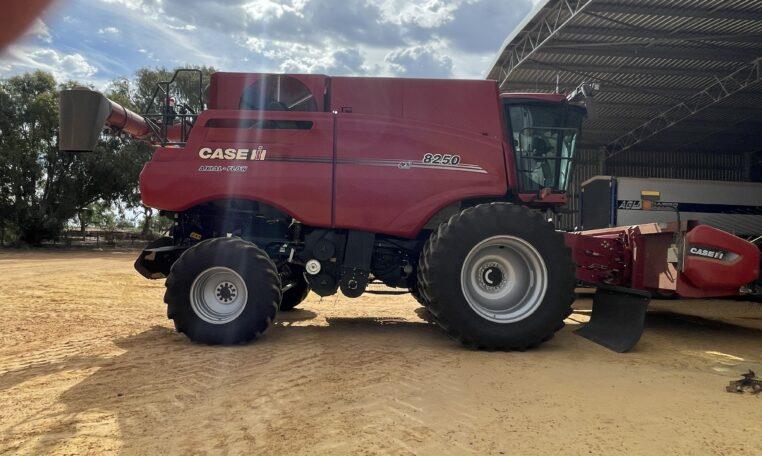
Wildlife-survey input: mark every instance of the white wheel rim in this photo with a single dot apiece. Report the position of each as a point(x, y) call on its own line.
point(218, 295)
point(504, 279)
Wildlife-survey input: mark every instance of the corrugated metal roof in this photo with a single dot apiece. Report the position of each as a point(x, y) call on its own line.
point(649, 56)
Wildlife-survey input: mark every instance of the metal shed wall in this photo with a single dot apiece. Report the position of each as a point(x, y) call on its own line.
point(675, 165)
point(680, 83)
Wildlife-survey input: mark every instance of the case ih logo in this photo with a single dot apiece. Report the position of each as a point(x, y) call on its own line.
point(208, 153)
point(707, 253)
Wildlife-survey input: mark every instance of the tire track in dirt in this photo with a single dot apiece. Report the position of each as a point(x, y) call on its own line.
point(179, 378)
point(93, 366)
point(389, 385)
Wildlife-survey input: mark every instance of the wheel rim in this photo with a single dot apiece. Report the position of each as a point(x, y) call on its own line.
point(504, 279)
point(218, 295)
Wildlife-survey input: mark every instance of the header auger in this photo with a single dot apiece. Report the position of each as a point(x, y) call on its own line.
point(288, 183)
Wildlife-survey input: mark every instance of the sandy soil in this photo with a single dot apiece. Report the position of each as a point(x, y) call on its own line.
point(90, 365)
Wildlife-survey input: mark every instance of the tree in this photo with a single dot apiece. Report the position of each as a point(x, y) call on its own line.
point(41, 189)
point(138, 95)
point(30, 174)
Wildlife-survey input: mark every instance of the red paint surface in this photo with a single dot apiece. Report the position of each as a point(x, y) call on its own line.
point(718, 277)
point(172, 180)
point(637, 257)
point(397, 120)
point(128, 121)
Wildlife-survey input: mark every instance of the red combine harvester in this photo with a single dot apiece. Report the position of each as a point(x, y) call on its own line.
point(284, 184)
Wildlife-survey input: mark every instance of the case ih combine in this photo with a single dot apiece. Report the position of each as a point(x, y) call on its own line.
point(284, 184)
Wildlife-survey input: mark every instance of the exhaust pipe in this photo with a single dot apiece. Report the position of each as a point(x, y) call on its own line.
point(82, 115)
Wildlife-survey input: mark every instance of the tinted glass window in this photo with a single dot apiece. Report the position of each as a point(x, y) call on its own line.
point(544, 139)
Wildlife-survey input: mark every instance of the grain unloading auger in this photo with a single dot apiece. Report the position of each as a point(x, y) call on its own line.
point(85, 113)
point(287, 184)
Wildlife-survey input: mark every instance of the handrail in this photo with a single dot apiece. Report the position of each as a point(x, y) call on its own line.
point(159, 122)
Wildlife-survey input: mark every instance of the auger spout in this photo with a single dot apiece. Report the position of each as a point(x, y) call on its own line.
point(83, 114)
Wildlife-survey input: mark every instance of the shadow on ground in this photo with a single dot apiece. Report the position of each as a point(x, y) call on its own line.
point(161, 377)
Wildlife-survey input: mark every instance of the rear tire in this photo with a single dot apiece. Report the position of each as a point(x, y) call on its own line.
point(223, 291)
point(295, 295)
point(416, 292)
point(497, 276)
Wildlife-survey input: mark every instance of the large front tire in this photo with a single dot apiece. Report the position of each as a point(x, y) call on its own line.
point(497, 276)
point(223, 291)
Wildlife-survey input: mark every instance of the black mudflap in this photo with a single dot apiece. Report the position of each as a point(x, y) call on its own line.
point(619, 315)
point(155, 262)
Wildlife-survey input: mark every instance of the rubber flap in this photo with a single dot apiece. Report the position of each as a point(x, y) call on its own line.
point(618, 318)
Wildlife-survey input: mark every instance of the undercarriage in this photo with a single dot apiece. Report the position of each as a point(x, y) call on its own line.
point(328, 259)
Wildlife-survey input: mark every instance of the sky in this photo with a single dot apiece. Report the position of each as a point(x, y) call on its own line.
point(97, 41)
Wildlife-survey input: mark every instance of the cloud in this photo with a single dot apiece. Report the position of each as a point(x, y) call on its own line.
point(324, 22)
point(186, 27)
point(147, 6)
point(148, 54)
point(40, 31)
point(346, 62)
point(278, 32)
point(108, 31)
point(419, 61)
point(62, 66)
point(73, 65)
point(268, 10)
point(426, 15)
point(482, 25)
point(424, 38)
point(342, 62)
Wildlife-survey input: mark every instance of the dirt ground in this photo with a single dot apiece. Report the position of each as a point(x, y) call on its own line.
point(89, 364)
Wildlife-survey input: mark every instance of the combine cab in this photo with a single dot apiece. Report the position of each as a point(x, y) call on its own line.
point(284, 184)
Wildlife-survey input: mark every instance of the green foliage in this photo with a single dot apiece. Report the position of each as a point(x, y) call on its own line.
point(32, 179)
point(41, 189)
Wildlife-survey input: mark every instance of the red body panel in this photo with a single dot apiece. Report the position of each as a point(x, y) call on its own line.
point(639, 257)
point(295, 177)
point(358, 167)
point(386, 126)
point(602, 259)
point(702, 276)
point(375, 193)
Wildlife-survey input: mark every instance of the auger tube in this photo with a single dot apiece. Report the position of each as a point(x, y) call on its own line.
point(83, 114)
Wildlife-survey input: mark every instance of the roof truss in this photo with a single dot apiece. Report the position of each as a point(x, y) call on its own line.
point(549, 25)
point(709, 96)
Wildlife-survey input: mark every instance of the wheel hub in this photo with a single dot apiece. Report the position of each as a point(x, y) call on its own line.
point(492, 277)
point(226, 292)
point(504, 279)
point(218, 295)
